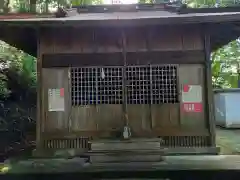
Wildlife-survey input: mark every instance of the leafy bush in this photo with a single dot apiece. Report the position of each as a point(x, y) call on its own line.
point(18, 73)
point(4, 91)
point(17, 98)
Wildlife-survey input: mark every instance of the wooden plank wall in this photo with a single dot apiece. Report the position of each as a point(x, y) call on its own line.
point(73, 40)
point(107, 120)
point(193, 74)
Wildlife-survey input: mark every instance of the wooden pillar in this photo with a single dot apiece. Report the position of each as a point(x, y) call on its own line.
point(238, 73)
point(124, 55)
point(209, 88)
point(39, 93)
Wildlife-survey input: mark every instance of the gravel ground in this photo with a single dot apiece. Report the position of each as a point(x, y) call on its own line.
point(228, 140)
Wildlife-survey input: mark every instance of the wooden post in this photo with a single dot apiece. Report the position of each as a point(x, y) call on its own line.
point(147, 37)
point(238, 73)
point(39, 93)
point(124, 77)
point(209, 89)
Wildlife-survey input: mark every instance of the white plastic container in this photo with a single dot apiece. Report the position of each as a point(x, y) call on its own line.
point(227, 107)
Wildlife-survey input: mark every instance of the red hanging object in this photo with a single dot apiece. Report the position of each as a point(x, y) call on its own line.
point(186, 88)
point(62, 92)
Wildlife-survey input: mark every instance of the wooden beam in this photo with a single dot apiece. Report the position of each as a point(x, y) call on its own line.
point(166, 131)
point(115, 59)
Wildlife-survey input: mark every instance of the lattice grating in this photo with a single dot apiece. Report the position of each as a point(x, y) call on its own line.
point(67, 143)
point(93, 85)
point(185, 141)
point(151, 84)
point(138, 85)
point(164, 84)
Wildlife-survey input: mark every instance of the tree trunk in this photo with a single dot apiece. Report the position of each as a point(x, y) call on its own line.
point(33, 4)
point(6, 6)
point(46, 6)
point(1, 5)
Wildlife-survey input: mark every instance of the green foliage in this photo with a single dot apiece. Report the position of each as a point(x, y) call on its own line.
point(83, 2)
point(4, 92)
point(18, 72)
point(4, 6)
point(17, 98)
point(226, 60)
point(225, 66)
point(210, 3)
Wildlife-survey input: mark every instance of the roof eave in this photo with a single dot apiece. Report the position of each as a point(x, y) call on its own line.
point(23, 34)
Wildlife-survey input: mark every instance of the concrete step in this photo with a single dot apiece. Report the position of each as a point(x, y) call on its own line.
point(107, 158)
point(133, 144)
point(133, 150)
point(124, 152)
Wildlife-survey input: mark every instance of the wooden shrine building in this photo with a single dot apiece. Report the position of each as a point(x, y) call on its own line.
point(125, 72)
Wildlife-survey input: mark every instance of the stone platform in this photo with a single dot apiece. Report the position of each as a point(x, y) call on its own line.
point(134, 150)
point(170, 164)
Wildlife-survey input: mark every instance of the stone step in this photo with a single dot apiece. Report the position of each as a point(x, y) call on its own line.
point(127, 140)
point(125, 158)
point(128, 152)
point(125, 145)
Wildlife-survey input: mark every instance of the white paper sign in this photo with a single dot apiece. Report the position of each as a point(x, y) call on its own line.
point(56, 99)
point(192, 94)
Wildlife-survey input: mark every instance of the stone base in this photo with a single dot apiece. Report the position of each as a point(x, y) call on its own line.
point(133, 150)
point(57, 153)
point(125, 158)
point(132, 144)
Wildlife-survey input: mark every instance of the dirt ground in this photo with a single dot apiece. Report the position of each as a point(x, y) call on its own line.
point(228, 140)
